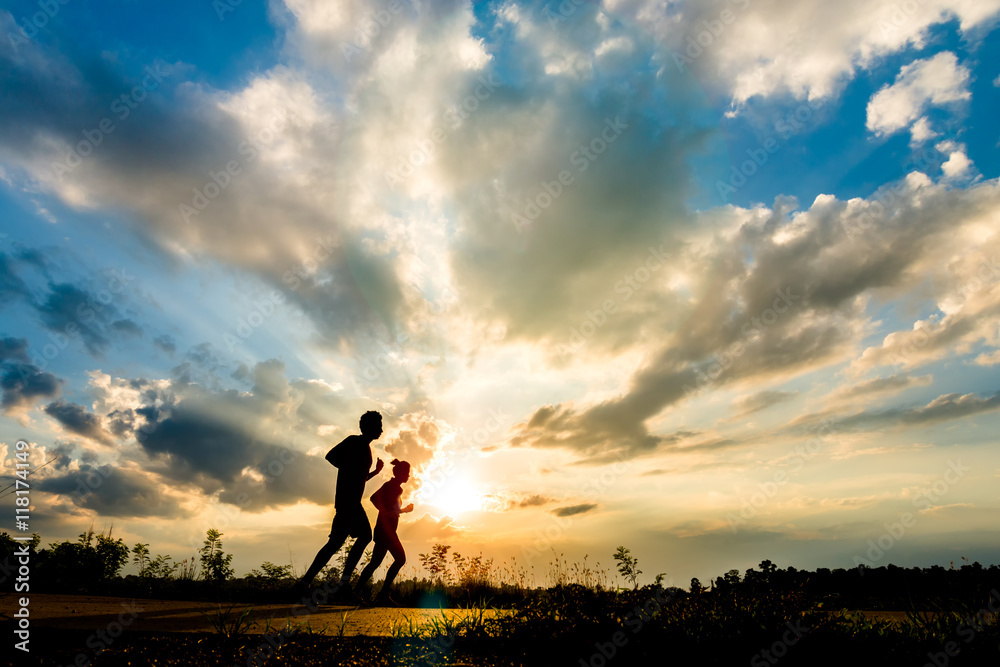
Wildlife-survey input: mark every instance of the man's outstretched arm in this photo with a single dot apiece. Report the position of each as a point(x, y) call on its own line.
point(378, 468)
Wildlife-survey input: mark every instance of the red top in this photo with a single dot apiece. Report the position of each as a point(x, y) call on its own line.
point(388, 501)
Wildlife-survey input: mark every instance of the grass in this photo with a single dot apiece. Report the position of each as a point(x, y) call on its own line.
point(581, 618)
point(230, 624)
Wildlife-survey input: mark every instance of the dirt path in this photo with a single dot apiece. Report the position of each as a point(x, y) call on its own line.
point(87, 612)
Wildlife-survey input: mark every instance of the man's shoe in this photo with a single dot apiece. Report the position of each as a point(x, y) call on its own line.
point(299, 593)
point(343, 593)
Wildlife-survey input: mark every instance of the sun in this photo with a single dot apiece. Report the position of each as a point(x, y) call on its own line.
point(455, 496)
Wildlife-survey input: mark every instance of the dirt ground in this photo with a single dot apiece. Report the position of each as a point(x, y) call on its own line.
point(87, 612)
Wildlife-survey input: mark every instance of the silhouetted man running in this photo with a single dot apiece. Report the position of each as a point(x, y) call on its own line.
point(353, 458)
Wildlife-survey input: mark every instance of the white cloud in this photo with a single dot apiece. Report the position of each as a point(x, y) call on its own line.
point(923, 83)
point(921, 131)
point(808, 50)
point(957, 165)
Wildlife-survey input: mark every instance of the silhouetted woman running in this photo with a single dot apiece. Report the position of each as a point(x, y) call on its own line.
point(388, 500)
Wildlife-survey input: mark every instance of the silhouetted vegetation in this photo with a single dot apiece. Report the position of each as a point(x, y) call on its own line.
point(760, 616)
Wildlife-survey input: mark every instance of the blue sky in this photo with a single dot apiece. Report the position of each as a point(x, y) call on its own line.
point(510, 234)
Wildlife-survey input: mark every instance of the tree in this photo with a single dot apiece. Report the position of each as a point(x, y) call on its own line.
point(111, 556)
point(89, 560)
point(162, 567)
point(628, 565)
point(472, 571)
point(141, 558)
point(436, 563)
point(272, 572)
point(215, 563)
point(696, 587)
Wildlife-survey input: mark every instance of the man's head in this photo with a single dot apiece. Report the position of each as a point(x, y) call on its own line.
point(371, 424)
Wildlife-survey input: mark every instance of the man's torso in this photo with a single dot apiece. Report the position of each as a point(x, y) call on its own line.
point(352, 475)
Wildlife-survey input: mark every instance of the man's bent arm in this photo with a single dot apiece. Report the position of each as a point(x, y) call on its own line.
point(329, 454)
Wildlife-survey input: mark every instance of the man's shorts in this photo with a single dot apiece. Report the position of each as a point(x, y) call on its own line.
point(352, 521)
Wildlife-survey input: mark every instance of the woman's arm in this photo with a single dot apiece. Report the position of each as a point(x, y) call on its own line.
point(376, 498)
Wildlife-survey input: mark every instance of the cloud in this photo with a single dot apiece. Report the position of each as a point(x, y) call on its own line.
point(166, 343)
point(417, 440)
point(762, 400)
point(968, 302)
point(13, 349)
point(320, 257)
point(70, 310)
point(24, 384)
point(113, 491)
point(573, 510)
point(429, 528)
point(245, 448)
point(77, 420)
point(957, 165)
point(946, 407)
point(83, 309)
point(879, 387)
point(921, 131)
point(832, 44)
point(534, 500)
point(796, 307)
point(935, 81)
point(11, 285)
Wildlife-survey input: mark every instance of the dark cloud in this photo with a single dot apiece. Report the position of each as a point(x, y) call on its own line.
point(69, 310)
point(166, 343)
point(127, 328)
point(64, 453)
point(946, 407)
point(244, 446)
point(200, 365)
point(121, 422)
point(11, 286)
point(72, 311)
point(113, 491)
point(14, 349)
point(535, 501)
point(283, 477)
point(77, 419)
point(574, 509)
point(203, 435)
point(24, 384)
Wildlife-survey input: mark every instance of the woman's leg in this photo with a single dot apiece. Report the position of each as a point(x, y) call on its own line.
point(378, 555)
point(399, 560)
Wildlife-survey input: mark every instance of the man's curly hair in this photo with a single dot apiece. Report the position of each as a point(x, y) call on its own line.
point(370, 421)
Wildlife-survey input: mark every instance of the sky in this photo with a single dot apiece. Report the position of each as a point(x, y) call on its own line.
point(717, 281)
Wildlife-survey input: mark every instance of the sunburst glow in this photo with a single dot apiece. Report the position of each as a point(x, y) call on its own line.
point(455, 496)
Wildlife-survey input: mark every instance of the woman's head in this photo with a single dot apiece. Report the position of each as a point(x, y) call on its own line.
point(400, 469)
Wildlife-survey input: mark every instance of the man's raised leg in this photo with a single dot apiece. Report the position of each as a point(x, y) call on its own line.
point(322, 558)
